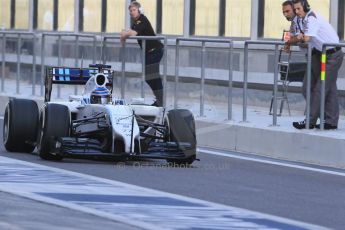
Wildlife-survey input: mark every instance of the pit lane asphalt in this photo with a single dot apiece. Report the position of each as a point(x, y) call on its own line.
point(19, 213)
point(297, 194)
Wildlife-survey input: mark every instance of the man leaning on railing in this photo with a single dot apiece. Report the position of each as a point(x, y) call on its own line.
point(316, 31)
point(153, 53)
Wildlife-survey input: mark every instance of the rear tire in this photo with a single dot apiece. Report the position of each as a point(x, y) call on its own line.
point(20, 125)
point(54, 123)
point(182, 129)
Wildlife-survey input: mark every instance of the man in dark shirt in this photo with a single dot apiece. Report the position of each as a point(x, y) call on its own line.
point(154, 49)
point(289, 14)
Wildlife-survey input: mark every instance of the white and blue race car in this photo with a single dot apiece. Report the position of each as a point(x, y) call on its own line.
point(94, 125)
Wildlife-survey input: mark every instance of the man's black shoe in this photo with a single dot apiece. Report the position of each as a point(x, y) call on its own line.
point(155, 103)
point(301, 125)
point(327, 126)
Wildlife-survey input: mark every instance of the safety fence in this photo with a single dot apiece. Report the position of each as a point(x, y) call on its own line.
point(96, 52)
point(203, 67)
point(277, 46)
point(19, 40)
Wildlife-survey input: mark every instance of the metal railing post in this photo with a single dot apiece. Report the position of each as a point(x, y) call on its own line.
point(245, 81)
point(59, 62)
point(308, 87)
point(94, 49)
point(202, 84)
point(18, 63)
point(165, 72)
point(123, 69)
point(177, 63)
point(34, 66)
point(42, 64)
point(143, 52)
point(275, 86)
point(323, 87)
point(76, 58)
point(3, 62)
point(103, 56)
point(231, 49)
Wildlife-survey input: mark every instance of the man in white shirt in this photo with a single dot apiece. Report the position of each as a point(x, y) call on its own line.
point(316, 31)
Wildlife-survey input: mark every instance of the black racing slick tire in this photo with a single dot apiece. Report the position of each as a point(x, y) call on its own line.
point(54, 122)
point(182, 130)
point(20, 125)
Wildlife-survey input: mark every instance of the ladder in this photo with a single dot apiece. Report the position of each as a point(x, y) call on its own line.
point(283, 69)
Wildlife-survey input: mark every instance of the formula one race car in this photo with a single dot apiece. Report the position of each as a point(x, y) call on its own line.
point(95, 124)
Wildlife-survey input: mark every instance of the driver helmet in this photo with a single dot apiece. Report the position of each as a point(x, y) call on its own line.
point(100, 95)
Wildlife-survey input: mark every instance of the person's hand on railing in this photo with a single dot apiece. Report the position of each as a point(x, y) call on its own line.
point(123, 36)
point(286, 47)
point(126, 34)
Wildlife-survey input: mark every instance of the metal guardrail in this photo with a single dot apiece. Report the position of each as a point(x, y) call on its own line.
point(203, 68)
point(36, 41)
point(275, 86)
point(59, 37)
point(123, 61)
point(19, 36)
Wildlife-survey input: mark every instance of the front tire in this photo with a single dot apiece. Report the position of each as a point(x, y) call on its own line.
point(20, 125)
point(54, 123)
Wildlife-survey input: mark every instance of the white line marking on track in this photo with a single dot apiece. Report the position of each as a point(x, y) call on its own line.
point(271, 162)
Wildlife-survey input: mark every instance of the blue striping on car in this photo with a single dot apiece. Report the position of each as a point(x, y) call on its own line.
point(101, 91)
point(72, 75)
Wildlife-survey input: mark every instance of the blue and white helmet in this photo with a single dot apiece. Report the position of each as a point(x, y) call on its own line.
point(100, 95)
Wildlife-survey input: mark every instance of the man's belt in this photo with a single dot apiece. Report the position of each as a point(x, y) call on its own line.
point(328, 52)
point(333, 50)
